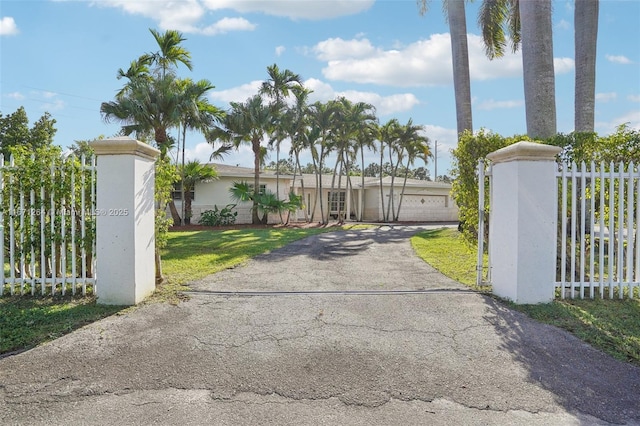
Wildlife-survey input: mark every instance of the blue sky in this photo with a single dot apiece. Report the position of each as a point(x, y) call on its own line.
point(62, 57)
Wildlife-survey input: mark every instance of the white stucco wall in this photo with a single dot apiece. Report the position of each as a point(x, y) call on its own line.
point(216, 193)
point(418, 205)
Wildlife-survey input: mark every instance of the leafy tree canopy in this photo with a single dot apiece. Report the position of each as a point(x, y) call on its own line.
point(15, 131)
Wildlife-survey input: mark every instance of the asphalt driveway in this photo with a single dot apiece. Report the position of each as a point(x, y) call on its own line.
point(348, 328)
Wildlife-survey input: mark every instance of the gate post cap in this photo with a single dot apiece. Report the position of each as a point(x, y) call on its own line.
point(525, 151)
point(124, 145)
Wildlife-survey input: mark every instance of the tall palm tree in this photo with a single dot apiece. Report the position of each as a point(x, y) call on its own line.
point(277, 88)
point(586, 36)
point(147, 105)
point(365, 139)
point(196, 114)
point(416, 146)
point(293, 124)
point(537, 64)
point(499, 21)
point(352, 119)
point(191, 173)
point(249, 122)
point(322, 122)
point(387, 136)
point(171, 52)
point(454, 11)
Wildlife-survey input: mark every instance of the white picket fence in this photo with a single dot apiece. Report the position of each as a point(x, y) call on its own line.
point(47, 226)
point(598, 228)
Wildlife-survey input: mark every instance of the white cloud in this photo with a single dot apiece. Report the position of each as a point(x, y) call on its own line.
point(606, 97)
point(184, 15)
point(188, 15)
point(423, 63)
point(15, 95)
point(300, 9)
point(619, 59)
point(8, 26)
point(563, 25)
point(280, 50)
point(634, 98)
point(632, 118)
point(226, 25)
point(54, 105)
point(323, 92)
point(385, 105)
point(492, 104)
point(236, 94)
point(335, 49)
point(563, 65)
point(201, 152)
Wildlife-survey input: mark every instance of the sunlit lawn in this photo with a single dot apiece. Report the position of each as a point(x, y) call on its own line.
point(610, 325)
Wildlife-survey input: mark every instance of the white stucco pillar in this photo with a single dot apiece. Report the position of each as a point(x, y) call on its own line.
point(523, 222)
point(125, 220)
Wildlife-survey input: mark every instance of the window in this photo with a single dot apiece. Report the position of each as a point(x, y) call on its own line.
point(337, 199)
point(263, 188)
point(176, 193)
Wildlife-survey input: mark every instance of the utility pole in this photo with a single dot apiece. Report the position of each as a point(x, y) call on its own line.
point(435, 178)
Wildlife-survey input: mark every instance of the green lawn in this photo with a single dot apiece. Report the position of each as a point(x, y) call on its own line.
point(610, 325)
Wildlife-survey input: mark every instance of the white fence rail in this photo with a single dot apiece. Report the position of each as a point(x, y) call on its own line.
point(598, 230)
point(47, 226)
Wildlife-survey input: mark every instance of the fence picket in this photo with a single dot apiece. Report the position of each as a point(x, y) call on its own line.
point(44, 234)
point(606, 197)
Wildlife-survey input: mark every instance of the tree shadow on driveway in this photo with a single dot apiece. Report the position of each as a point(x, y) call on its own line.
point(339, 244)
point(581, 377)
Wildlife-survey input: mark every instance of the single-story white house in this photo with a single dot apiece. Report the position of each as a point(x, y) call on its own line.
point(423, 201)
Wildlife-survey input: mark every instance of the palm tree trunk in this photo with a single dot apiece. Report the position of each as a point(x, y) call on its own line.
point(404, 185)
point(390, 206)
point(183, 205)
point(381, 188)
point(361, 199)
point(586, 37)
point(315, 198)
point(460, 59)
point(175, 216)
point(299, 167)
point(537, 64)
point(255, 219)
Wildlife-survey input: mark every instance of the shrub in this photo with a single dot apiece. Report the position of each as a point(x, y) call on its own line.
point(219, 217)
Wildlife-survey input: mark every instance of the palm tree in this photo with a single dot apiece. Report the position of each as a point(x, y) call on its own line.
point(322, 122)
point(494, 17)
point(293, 124)
point(249, 122)
point(277, 88)
point(537, 64)
point(170, 53)
point(352, 118)
point(454, 10)
point(586, 36)
point(365, 139)
point(197, 114)
point(191, 173)
point(415, 146)
point(147, 105)
point(388, 136)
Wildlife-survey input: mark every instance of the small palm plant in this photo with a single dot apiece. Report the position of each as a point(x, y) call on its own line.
point(265, 201)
